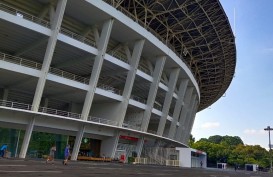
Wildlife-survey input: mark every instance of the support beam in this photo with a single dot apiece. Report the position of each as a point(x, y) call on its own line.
point(190, 125)
point(5, 94)
point(49, 54)
point(102, 46)
point(168, 100)
point(178, 106)
point(185, 126)
point(130, 80)
point(77, 143)
point(42, 79)
point(152, 92)
point(139, 146)
point(27, 137)
point(183, 113)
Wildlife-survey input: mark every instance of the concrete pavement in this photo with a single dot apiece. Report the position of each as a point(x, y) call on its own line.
point(38, 168)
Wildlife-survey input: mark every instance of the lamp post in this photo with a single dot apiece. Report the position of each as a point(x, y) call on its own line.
point(270, 153)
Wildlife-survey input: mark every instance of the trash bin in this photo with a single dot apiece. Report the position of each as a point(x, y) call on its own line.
point(131, 160)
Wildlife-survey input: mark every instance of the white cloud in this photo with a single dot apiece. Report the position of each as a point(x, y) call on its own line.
point(254, 132)
point(209, 125)
point(268, 50)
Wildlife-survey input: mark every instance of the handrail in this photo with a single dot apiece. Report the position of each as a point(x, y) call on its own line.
point(128, 125)
point(62, 113)
point(77, 37)
point(102, 121)
point(21, 14)
point(59, 112)
point(63, 30)
point(109, 88)
point(68, 75)
point(136, 98)
point(28, 63)
point(119, 56)
point(15, 105)
point(20, 61)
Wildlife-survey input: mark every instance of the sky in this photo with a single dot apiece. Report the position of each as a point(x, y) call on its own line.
point(247, 107)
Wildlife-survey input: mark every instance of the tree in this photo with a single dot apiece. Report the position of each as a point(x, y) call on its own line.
point(191, 140)
point(231, 150)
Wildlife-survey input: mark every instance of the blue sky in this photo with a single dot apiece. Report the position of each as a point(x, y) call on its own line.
point(247, 107)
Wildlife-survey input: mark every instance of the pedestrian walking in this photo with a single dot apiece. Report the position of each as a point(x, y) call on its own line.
point(3, 150)
point(52, 151)
point(201, 163)
point(66, 154)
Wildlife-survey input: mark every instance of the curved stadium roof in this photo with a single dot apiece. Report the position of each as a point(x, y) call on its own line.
point(196, 30)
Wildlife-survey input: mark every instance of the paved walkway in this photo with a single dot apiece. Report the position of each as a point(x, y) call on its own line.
point(38, 168)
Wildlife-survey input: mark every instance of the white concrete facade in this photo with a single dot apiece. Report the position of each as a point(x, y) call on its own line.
point(101, 75)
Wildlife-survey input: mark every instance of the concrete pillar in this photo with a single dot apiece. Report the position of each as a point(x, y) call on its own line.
point(46, 103)
point(139, 146)
point(188, 128)
point(102, 46)
point(168, 100)
point(188, 118)
point(152, 92)
point(5, 94)
point(77, 143)
point(58, 17)
point(183, 113)
point(130, 80)
point(109, 146)
point(27, 137)
point(178, 106)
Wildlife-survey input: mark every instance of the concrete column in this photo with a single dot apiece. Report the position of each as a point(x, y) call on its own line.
point(130, 80)
point(46, 103)
point(109, 146)
point(178, 106)
point(139, 146)
point(77, 143)
point(152, 92)
point(102, 46)
point(58, 17)
point(27, 137)
point(183, 113)
point(5, 94)
point(188, 128)
point(188, 118)
point(168, 100)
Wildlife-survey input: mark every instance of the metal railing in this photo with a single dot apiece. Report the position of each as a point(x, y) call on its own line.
point(77, 37)
point(31, 64)
point(21, 14)
point(59, 112)
point(68, 75)
point(102, 121)
point(130, 125)
point(119, 56)
point(20, 61)
point(138, 99)
point(15, 105)
point(109, 88)
point(174, 163)
point(144, 70)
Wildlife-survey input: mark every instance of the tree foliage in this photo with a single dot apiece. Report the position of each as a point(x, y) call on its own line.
point(231, 150)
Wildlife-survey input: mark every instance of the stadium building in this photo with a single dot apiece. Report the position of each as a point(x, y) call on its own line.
point(109, 76)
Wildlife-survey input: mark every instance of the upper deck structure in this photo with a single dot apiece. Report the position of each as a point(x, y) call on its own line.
point(122, 74)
